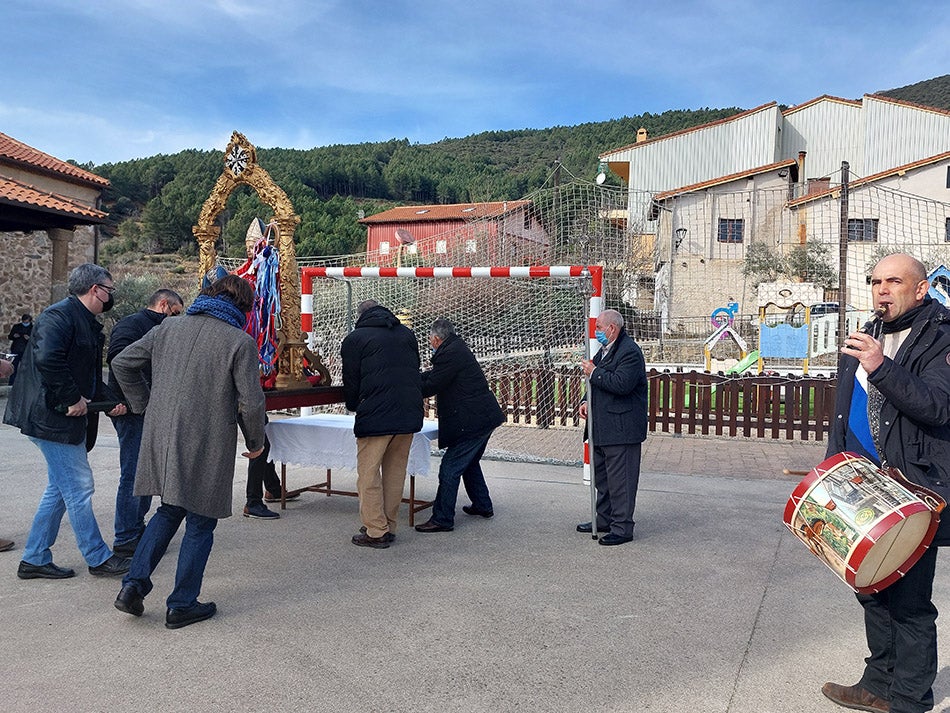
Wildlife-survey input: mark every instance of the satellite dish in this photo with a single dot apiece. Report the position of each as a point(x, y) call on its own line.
point(601, 177)
point(404, 236)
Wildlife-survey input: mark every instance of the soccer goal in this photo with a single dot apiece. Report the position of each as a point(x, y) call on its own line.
point(529, 327)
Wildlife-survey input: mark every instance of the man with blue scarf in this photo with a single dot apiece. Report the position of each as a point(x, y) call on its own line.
point(893, 407)
point(204, 386)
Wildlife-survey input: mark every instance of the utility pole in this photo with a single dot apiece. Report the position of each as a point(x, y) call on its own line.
point(843, 254)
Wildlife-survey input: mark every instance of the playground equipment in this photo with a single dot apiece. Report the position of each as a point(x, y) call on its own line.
point(723, 318)
point(786, 339)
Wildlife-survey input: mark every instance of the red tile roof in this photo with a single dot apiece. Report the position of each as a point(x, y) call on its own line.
point(455, 211)
point(725, 179)
point(18, 153)
point(21, 195)
point(897, 170)
point(664, 137)
point(823, 97)
point(912, 105)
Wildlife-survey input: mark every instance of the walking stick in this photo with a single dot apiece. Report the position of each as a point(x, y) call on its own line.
point(590, 425)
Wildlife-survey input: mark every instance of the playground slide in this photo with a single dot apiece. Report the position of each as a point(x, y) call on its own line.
point(751, 360)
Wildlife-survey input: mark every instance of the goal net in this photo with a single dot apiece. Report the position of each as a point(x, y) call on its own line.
point(528, 327)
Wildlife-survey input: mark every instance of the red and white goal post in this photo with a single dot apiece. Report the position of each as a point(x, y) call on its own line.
point(526, 325)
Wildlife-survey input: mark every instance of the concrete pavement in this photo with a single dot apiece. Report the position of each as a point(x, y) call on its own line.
point(713, 607)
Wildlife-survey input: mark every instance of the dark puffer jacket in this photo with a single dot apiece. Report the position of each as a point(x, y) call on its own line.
point(467, 407)
point(381, 381)
point(915, 418)
point(62, 363)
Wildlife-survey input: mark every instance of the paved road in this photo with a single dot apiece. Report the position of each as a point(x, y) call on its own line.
point(713, 607)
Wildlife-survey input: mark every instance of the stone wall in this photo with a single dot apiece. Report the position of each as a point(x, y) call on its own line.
point(25, 274)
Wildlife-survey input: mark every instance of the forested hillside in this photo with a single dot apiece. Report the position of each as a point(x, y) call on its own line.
point(932, 92)
point(154, 202)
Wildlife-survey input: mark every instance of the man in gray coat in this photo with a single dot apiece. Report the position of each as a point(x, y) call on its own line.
point(204, 377)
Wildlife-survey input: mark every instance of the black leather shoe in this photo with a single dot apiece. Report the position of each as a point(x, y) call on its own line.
point(130, 601)
point(126, 549)
point(611, 539)
point(177, 618)
point(364, 540)
point(389, 536)
point(115, 566)
point(272, 498)
point(43, 571)
point(432, 526)
point(589, 528)
point(472, 510)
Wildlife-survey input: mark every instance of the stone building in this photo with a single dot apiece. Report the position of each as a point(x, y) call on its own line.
point(49, 218)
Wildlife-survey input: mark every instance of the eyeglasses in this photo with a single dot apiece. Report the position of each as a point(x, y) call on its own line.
point(110, 290)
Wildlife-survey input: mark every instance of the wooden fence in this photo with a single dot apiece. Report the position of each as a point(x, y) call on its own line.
point(786, 407)
point(775, 407)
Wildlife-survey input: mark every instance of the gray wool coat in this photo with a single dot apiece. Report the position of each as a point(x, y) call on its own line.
point(205, 384)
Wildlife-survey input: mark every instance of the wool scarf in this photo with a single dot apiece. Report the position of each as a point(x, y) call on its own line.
point(220, 308)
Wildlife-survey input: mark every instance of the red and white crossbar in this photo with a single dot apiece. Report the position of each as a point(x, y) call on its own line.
point(594, 307)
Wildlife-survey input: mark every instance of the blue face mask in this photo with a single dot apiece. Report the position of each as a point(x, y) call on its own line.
point(601, 337)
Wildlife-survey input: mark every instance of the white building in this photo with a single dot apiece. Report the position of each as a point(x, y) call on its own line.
point(773, 175)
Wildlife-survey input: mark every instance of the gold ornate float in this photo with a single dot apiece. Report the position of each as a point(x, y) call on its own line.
point(241, 168)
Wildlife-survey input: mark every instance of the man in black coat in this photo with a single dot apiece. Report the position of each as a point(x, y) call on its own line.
point(617, 405)
point(468, 413)
point(19, 337)
point(60, 374)
point(893, 406)
point(130, 509)
point(381, 383)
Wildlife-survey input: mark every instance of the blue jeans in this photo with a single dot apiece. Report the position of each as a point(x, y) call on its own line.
point(192, 555)
point(460, 462)
point(129, 510)
point(69, 489)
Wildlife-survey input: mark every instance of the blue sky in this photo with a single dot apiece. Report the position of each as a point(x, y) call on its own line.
point(104, 81)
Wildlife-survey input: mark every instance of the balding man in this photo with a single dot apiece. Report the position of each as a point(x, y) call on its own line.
point(893, 406)
point(617, 403)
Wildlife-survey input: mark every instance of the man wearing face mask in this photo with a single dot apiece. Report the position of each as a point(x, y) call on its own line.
point(617, 405)
point(130, 509)
point(61, 373)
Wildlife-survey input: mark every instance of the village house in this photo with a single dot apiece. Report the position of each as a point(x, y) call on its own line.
point(494, 233)
point(49, 213)
point(773, 176)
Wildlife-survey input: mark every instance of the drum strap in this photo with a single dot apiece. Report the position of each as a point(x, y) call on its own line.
point(875, 403)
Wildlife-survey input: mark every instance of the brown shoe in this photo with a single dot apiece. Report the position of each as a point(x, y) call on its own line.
point(855, 697)
point(6, 545)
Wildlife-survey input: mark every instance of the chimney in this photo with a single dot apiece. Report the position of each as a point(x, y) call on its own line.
point(801, 165)
point(641, 135)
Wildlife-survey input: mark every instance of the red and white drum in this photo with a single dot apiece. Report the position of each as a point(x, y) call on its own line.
point(870, 526)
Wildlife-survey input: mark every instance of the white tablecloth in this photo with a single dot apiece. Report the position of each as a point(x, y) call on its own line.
point(327, 440)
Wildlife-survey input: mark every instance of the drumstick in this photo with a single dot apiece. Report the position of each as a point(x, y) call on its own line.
point(789, 471)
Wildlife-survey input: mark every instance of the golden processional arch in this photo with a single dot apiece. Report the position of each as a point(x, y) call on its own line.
point(241, 168)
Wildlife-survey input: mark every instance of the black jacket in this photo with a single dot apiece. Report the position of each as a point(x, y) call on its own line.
point(915, 418)
point(19, 337)
point(381, 381)
point(62, 363)
point(618, 407)
point(466, 405)
point(127, 330)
